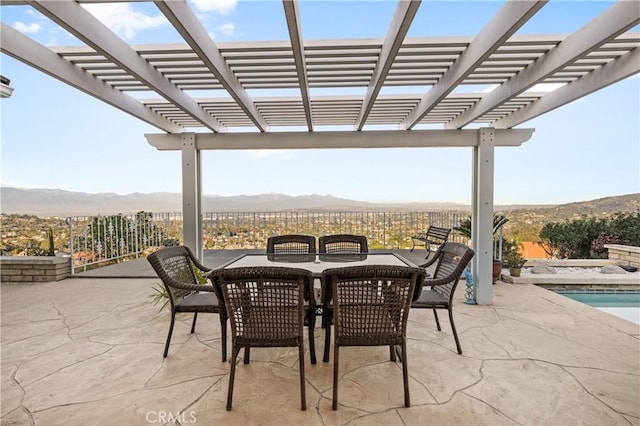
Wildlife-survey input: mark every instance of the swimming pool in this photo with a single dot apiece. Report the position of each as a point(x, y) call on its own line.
point(621, 303)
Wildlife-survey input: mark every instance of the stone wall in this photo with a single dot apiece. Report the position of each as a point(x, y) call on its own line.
point(34, 268)
point(624, 255)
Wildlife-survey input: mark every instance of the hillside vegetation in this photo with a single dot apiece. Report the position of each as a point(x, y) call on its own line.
point(27, 234)
point(526, 223)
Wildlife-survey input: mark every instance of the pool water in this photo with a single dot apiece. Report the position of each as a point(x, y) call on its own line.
point(607, 300)
point(623, 304)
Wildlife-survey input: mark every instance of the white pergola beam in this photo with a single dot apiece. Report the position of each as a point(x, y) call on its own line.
point(337, 140)
point(612, 22)
point(504, 24)
point(32, 53)
point(297, 47)
point(78, 21)
point(621, 68)
point(400, 24)
point(190, 28)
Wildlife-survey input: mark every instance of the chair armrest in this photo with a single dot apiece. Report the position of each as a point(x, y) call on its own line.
point(197, 263)
point(431, 260)
point(190, 287)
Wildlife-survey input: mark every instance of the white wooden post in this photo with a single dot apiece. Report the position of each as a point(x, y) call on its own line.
point(191, 194)
point(482, 215)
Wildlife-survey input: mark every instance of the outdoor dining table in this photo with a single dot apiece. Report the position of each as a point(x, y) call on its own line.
point(317, 263)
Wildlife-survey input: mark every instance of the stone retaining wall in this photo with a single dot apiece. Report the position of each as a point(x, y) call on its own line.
point(34, 268)
point(624, 255)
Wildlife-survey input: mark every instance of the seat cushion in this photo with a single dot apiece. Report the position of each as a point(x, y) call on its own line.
point(430, 299)
point(205, 301)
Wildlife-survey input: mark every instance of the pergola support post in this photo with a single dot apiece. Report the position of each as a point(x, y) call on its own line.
point(482, 215)
point(191, 194)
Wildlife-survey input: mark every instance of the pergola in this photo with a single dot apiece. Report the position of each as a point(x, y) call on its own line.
point(597, 55)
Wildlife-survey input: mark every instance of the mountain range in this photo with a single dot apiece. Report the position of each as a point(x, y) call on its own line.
point(57, 202)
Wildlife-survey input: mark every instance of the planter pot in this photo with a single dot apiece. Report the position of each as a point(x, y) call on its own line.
point(514, 272)
point(497, 269)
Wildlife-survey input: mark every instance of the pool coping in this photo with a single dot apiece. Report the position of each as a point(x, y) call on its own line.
point(573, 279)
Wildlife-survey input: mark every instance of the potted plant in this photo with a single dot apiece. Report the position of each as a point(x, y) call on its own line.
point(464, 229)
point(514, 260)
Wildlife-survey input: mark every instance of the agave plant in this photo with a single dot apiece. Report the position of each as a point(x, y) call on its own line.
point(160, 294)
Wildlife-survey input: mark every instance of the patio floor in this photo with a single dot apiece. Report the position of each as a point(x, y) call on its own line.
point(89, 352)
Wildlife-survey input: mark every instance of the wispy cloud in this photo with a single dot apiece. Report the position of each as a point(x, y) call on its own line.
point(31, 28)
point(122, 19)
point(227, 29)
point(221, 6)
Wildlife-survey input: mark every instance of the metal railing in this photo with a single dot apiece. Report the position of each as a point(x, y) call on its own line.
point(101, 240)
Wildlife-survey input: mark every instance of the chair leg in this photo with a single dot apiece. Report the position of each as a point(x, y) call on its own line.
point(455, 334)
point(392, 353)
point(428, 252)
point(336, 359)
point(312, 338)
point(223, 332)
point(166, 346)
point(435, 314)
point(193, 326)
point(327, 342)
point(247, 354)
point(303, 394)
point(232, 375)
point(405, 374)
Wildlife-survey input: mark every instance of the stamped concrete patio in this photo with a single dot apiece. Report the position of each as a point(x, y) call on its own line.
point(89, 352)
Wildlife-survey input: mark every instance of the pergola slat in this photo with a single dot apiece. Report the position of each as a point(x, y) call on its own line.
point(82, 24)
point(510, 17)
point(38, 56)
point(433, 65)
point(612, 22)
point(191, 29)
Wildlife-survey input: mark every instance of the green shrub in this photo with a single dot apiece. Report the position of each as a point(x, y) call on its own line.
point(585, 238)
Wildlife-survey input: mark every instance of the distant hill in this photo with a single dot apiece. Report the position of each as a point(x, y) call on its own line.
point(528, 221)
point(57, 202)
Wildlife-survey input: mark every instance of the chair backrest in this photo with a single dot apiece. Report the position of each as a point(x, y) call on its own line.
point(291, 244)
point(343, 243)
point(174, 266)
point(453, 258)
point(437, 236)
point(370, 303)
point(265, 303)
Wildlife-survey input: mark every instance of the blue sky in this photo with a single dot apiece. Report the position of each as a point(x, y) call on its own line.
point(54, 136)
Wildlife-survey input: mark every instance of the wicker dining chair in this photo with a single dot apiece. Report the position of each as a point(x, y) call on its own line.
point(291, 244)
point(371, 306)
point(174, 266)
point(337, 244)
point(265, 306)
point(343, 244)
point(437, 291)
